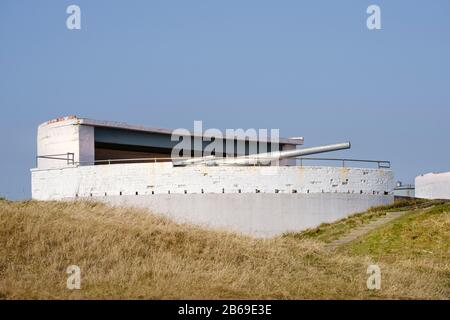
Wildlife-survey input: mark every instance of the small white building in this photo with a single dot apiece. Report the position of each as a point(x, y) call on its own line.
point(433, 185)
point(404, 190)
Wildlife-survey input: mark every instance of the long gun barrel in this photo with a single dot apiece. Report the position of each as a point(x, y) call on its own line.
point(263, 158)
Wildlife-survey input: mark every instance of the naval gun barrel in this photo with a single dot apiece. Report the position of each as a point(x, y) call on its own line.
point(263, 158)
point(278, 155)
point(266, 158)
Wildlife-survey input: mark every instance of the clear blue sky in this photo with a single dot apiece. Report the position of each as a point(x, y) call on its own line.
point(310, 68)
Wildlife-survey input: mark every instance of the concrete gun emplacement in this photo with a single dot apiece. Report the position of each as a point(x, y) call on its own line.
point(260, 158)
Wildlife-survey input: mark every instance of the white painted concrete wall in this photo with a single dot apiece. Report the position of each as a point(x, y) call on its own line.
point(259, 201)
point(289, 161)
point(255, 214)
point(62, 137)
point(433, 186)
point(86, 148)
point(156, 178)
point(404, 192)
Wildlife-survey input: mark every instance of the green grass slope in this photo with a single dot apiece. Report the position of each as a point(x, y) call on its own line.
point(131, 254)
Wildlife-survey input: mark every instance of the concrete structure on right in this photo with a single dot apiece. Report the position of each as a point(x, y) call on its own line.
point(433, 185)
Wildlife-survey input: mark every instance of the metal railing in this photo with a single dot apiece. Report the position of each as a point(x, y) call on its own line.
point(112, 161)
point(381, 163)
point(70, 160)
point(69, 157)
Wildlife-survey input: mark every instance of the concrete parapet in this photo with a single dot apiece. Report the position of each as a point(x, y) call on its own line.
point(259, 201)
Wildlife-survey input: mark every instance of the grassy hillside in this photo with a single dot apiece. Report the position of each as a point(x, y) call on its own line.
point(328, 232)
point(127, 253)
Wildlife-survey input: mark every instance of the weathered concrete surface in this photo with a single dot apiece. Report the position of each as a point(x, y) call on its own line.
point(62, 137)
point(257, 214)
point(259, 201)
point(156, 178)
point(433, 186)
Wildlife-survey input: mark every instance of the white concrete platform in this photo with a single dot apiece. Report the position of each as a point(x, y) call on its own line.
point(258, 201)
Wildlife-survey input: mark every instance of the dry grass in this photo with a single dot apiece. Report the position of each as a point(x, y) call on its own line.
point(128, 254)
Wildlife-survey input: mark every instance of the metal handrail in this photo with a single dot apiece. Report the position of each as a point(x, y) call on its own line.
point(111, 161)
point(70, 158)
point(404, 186)
point(380, 163)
